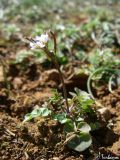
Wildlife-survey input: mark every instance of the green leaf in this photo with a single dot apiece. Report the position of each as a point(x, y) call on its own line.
point(28, 117)
point(86, 106)
point(37, 112)
point(83, 127)
point(44, 112)
point(69, 126)
point(80, 142)
point(61, 118)
point(82, 94)
point(62, 59)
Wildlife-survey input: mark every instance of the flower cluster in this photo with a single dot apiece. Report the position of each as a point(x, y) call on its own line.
point(39, 41)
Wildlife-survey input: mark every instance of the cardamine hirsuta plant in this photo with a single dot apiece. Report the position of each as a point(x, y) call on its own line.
point(42, 43)
point(72, 112)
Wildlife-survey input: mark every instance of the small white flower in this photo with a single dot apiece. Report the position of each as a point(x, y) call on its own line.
point(39, 41)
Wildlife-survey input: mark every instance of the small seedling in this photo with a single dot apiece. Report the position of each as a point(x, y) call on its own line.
point(104, 67)
point(76, 129)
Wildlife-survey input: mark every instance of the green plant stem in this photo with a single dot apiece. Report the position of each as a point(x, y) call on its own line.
point(53, 58)
point(63, 84)
point(97, 71)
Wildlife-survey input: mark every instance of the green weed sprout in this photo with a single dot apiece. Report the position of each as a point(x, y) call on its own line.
point(105, 67)
point(75, 128)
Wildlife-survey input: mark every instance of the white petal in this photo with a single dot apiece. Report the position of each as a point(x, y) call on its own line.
point(40, 44)
point(32, 45)
point(44, 38)
point(37, 38)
